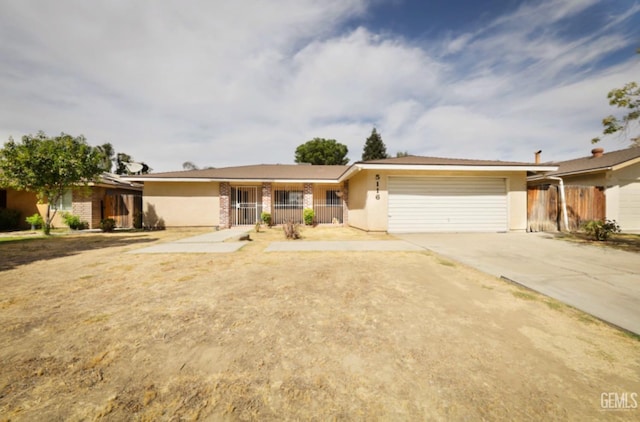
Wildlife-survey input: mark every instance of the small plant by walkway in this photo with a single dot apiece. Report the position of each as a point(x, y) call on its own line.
point(623, 241)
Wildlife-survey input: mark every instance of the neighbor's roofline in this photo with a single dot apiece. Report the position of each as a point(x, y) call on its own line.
point(594, 170)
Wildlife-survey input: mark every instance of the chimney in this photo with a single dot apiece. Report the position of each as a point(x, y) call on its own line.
point(597, 152)
point(538, 156)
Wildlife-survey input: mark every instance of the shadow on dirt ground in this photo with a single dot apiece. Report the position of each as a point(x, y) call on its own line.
point(19, 252)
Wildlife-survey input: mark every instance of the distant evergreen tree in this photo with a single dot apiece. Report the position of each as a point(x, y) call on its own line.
point(402, 154)
point(374, 148)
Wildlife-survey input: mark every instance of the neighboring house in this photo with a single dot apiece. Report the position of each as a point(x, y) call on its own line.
point(111, 197)
point(613, 180)
point(406, 194)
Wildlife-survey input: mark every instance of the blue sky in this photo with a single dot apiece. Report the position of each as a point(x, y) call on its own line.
point(231, 83)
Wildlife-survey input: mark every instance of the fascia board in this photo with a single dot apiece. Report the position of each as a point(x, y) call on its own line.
point(454, 167)
point(205, 180)
point(625, 164)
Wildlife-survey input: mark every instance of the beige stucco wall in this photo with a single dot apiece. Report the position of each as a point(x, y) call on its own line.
point(366, 212)
point(181, 204)
point(22, 201)
point(357, 201)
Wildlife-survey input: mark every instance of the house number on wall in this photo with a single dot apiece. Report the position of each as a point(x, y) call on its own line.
point(377, 186)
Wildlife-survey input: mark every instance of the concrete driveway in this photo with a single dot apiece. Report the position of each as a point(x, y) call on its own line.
point(601, 281)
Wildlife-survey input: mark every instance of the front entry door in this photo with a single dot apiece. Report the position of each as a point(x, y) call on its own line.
point(244, 203)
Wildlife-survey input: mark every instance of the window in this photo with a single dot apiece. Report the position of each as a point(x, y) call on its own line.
point(3, 199)
point(65, 202)
point(332, 198)
point(289, 198)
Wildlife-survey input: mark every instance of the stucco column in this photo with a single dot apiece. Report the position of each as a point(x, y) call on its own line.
point(308, 196)
point(266, 197)
point(345, 203)
point(225, 204)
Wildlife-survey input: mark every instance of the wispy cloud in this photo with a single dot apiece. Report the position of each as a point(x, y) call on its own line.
point(243, 82)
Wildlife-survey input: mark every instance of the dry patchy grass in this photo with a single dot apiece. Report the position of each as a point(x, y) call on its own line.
point(91, 332)
point(624, 241)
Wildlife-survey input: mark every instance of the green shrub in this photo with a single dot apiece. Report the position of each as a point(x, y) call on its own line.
point(308, 215)
point(137, 220)
point(74, 222)
point(266, 218)
point(9, 219)
point(35, 220)
point(107, 225)
point(599, 229)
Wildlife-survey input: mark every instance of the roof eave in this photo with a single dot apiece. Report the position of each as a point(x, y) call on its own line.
point(625, 164)
point(228, 179)
point(457, 167)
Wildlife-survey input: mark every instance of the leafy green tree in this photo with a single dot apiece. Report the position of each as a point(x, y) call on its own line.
point(322, 151)
point(402, 154)
point(49, 166)
point(374, 148)
point(121, 160)
point(628, 99)
point(107, 156)
point(188, 165)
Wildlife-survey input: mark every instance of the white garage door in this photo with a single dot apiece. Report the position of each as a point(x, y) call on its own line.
point(447, 204)
point(629, 219)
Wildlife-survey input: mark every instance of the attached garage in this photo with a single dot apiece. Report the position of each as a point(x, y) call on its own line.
point(447, 204)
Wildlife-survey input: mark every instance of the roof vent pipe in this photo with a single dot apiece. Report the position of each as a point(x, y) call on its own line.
point(597, 152)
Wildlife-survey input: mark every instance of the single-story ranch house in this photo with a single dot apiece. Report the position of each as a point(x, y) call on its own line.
point(616, 174)
point(109, 197)
point(404, 194)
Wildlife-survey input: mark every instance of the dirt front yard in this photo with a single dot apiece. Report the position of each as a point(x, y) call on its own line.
point(89, 331)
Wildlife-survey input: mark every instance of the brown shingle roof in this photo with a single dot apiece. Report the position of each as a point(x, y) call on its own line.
point(257, 172)
point(590, 164)
point(437, 161)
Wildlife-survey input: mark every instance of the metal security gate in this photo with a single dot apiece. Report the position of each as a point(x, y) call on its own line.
point(288, 201)
point(327, 204)
point(246, 207)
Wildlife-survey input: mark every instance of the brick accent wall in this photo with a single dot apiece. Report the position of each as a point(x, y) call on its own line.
point(308, 196)
point(266, 197)
point(87, 204)
point(225, 205)
point(81, 205)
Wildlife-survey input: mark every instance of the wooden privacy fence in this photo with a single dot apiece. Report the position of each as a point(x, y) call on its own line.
point(544, 209)
point(122, 207)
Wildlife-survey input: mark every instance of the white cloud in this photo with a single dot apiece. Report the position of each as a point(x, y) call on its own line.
point(228, 83)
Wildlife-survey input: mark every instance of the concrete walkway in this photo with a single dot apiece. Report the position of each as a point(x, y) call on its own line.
point(213, 242)
point(337, 245)
point(601, 281)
